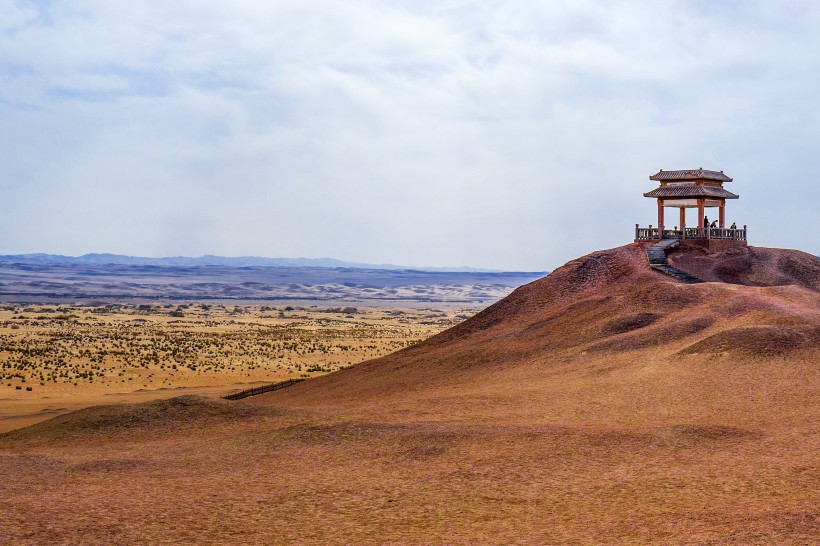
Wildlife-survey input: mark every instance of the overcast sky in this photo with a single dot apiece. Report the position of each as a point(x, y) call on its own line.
point(500, 134)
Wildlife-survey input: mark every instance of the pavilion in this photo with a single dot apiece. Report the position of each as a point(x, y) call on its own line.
point(694, 188)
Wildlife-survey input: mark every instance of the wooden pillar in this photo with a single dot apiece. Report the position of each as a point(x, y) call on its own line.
point(660, 219)
point(683, 222)
point(701, 214)
point(722, 215)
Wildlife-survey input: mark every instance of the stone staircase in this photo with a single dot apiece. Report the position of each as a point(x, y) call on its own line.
point(657, 261)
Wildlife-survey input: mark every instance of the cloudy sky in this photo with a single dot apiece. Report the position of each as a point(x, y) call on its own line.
point(502, 134)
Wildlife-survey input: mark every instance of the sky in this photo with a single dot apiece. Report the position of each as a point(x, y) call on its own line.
point(506, 134)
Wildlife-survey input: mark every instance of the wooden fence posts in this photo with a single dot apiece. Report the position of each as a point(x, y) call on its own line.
point(261, 390)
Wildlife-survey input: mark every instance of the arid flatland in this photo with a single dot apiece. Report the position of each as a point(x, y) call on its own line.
point(54, 358)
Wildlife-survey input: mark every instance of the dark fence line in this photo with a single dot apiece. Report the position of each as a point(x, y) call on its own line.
point(263, 389)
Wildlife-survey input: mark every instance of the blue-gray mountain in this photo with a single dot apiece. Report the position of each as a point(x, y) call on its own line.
point(239, 261)
point(43, 277)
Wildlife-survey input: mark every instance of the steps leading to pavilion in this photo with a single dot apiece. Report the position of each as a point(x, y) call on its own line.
point(656, 254)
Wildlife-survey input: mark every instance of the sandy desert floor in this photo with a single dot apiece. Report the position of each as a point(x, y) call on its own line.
point(59, 358)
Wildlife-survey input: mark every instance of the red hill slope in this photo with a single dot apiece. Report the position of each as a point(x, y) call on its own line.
point(606, 332)
point(603, 404)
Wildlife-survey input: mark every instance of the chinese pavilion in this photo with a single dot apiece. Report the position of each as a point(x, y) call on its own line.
point(695, 188)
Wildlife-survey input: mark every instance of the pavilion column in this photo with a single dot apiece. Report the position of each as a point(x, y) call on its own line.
point(701, 214)
point(660, 219)
point(722, 214)
point(683, 222)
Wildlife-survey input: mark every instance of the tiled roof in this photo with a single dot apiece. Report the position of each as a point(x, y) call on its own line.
point(691, 174)
point(690, 191)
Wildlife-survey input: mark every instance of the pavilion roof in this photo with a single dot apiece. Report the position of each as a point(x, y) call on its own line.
point(691, 174)
point(690, 191)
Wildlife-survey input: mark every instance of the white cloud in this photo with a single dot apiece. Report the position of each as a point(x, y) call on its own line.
point(501, 134)
point(14, 14)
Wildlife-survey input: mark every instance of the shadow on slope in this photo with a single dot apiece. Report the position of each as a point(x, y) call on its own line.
point(750, 266)
point(178, 414)
point(765, 341)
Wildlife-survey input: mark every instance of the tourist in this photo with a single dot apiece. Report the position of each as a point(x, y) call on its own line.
point(713, 224)
point(705, 221)
point(733, 226)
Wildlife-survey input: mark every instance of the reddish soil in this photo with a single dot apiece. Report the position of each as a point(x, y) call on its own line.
point(751, 266)
point(605, 403)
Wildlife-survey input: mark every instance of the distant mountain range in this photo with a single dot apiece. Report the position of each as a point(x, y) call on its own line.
point(242, 261)
point(46, 277)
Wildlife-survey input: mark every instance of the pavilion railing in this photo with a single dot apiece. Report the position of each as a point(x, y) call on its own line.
point(645, 234)
point(651, 233)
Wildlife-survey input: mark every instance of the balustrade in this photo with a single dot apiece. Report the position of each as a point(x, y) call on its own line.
point(651, 233)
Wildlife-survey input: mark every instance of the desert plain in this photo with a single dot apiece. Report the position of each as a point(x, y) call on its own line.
point(62, 357)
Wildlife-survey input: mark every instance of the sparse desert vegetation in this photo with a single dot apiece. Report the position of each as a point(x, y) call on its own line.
point(79, 352)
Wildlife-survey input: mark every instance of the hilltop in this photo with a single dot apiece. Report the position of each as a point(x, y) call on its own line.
point(604, 403)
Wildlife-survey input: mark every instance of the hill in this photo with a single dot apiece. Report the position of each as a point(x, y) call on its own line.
point(606, 308)
point(605, 403)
